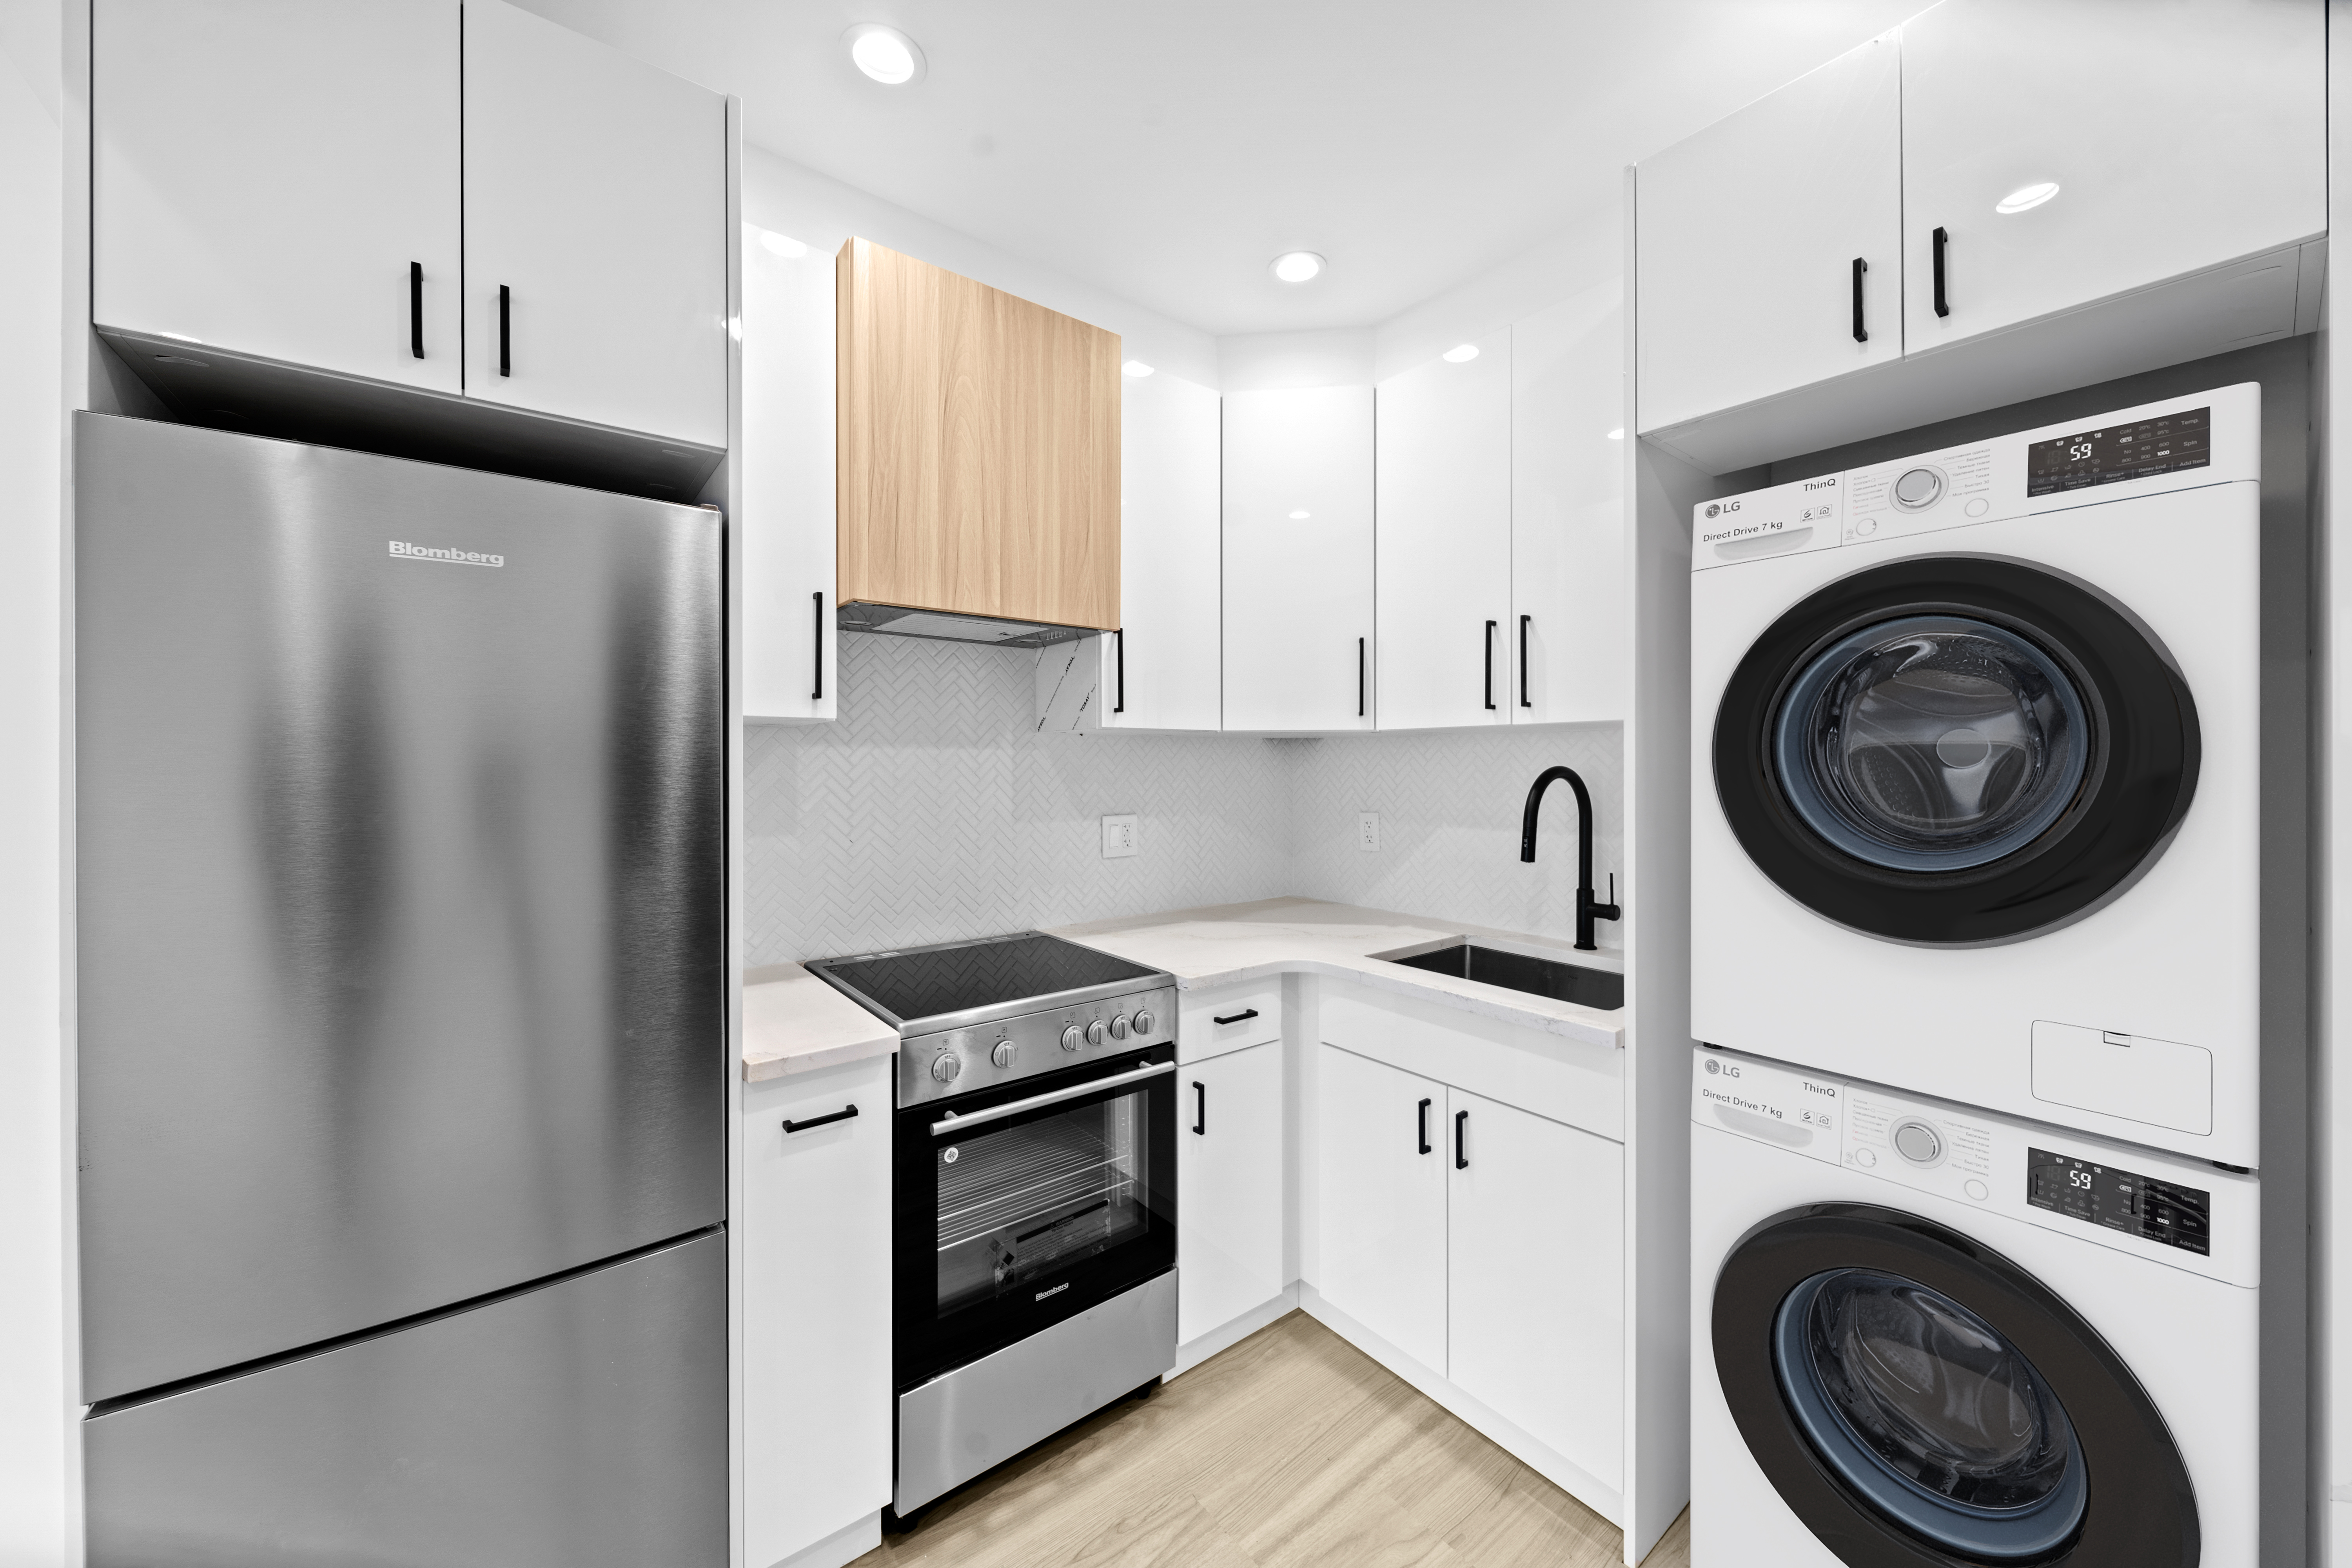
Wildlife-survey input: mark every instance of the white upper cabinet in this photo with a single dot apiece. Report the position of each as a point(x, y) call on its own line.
point(1161, 669)
point(280, 178)
point(1535, 1269)
point(1229, 1197)
point(1569, 629)
point(2179, 135)
point(1299, 560)
point(1443, 467)
point(595, 231)
point(1382, 1164)
point(1771, 243)
point(787, 521)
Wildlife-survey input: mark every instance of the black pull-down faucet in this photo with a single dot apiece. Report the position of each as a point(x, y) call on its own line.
point(1587, 909)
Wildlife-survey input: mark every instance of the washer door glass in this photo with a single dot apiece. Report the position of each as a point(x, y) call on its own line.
point(1930, 1414)
point(1931, 743)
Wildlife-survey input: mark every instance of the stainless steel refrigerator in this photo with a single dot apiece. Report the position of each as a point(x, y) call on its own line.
point(401, 976)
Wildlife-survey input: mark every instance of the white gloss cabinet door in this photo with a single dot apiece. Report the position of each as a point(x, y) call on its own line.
point(1229, 1196)
point(1535, 1230)
point(1161, 669)
point(596, 197)
point(265, 173)
point(1568, 628)
point(1381, 1202)
point(1299, 560)
point(1444, 560)
point(1748, 233)
point(787, 523)
point(815, 1237)
point(2181, 134)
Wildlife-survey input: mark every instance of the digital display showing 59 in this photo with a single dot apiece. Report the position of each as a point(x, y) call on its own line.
point(2120, 1200)
point(2115, 453)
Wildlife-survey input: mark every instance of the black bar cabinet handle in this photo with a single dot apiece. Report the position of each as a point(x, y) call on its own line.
point(416, 309)
point(1461, 1160)
point(1525, 701)
point(1861, 333)
point(1242, 1016)
point(1120, 706)
point(1425, 1127)
point(1490, 667)
point(816, 603)
point(1943, 305)
point(1360, 677)
point(844, 1114)
point(1200, 1107)
point(506, 356)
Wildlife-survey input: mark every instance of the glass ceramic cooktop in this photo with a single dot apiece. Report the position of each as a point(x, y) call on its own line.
point(927, 982)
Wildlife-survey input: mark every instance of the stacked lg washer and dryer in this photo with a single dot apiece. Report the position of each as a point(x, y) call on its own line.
point(1977, 960)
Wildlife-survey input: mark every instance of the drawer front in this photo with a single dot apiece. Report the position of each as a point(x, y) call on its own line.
point(1229, 1018)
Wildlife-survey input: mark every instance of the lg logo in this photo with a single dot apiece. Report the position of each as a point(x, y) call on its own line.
point(1714, 1067)
point(1713, 509)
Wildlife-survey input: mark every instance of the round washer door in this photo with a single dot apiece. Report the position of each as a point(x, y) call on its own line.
point(1919, 1400)
point(1955, 750)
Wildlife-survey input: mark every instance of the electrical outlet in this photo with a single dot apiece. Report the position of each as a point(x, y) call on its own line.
point(1368, 830)
point(1119, 835)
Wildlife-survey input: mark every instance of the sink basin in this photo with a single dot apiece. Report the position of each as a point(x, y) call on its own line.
point(1598, 988)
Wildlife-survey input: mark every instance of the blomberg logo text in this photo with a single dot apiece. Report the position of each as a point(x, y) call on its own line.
point(403, 550)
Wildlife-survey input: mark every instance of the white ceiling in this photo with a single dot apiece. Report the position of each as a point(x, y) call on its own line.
point(1166, 152)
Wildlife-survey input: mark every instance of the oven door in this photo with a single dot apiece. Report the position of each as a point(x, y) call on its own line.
point(1021, 1205)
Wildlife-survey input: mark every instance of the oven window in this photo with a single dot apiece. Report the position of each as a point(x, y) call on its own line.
point(1019, 1202)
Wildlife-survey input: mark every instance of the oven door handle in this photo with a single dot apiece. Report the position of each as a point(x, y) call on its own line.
point(1077, 1090)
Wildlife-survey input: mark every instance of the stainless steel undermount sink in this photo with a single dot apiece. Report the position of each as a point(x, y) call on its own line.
point(1601, 989)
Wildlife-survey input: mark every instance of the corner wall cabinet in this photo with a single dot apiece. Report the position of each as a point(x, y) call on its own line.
point(1946, 185)
point(288, 183)
point(1162, 668)
point(978, 447)
point(1299, 649)
point(786, 524)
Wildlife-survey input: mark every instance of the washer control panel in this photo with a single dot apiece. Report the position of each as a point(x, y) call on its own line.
point(2190, 1214)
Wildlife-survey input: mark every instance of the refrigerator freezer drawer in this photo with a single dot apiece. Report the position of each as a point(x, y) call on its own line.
point(580, 1425)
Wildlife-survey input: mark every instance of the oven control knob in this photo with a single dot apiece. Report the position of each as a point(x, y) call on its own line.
point(1119, 1027)
point(1003, 1055)
point(1143, 1021)
point(1094, 1032)
point(1070, 1038)
point(947, 1067)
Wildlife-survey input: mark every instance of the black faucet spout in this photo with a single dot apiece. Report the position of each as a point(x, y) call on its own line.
point(1588, 908)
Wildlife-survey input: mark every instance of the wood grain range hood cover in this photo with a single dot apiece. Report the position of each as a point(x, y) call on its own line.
point(976, 442)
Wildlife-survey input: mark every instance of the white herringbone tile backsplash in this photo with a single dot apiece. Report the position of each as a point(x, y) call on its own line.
point(933, 810)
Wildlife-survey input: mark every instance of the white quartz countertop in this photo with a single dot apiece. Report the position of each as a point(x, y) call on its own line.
point(1227, 944)
point(793, 1022)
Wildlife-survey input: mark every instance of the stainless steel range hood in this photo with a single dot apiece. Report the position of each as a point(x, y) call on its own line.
point(939, 625)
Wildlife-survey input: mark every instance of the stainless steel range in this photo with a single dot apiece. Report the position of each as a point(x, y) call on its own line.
point(1034, 1192)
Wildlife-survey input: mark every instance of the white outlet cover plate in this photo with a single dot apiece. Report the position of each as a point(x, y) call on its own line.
point(1368, 830)
point(1120, 833)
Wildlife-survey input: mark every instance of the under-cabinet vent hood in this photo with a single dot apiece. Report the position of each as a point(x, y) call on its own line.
point(977, 456)
point(897, 622)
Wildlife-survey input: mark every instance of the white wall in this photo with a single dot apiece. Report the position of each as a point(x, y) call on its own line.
point(783, 196)
point(35, 1473)
point(1590, 254)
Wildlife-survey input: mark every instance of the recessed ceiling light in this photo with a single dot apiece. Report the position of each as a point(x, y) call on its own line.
point(1300, 515)
point(1461, 353)
point(1136, 368)
point(1617, 434)
point(2026, 197)
point(884, 53)
point(1296, 266)
point(783, 244)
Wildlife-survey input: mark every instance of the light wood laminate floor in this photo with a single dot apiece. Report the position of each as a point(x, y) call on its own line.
point(1291, 1449)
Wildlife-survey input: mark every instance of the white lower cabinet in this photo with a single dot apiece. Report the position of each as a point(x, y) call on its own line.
point(1383, 1183)
point(1229, 1190)
point(1536, 1272)
point(815, 1236)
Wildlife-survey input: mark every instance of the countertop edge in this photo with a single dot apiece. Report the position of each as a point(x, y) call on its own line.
point(766, 1069)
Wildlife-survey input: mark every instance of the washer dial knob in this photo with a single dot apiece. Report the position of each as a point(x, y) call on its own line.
point(1917, 1142)
point(1071, 1038)
point(1003, 1055)
point(1096, 1033)
point(1144, 1020)
point(1918, 489)
point(1119, 1027)
point(947, 1067)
